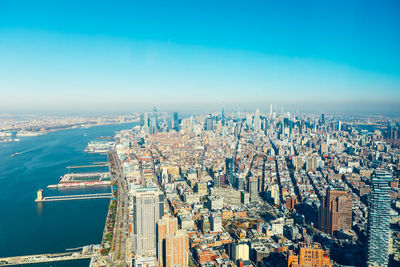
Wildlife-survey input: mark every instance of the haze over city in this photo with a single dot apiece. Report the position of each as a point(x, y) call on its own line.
point(97, 56)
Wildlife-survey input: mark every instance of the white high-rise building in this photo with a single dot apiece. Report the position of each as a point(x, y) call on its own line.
point(216, 222)
point(270, 110)
point(240, 251)
point(257, 121)
point(148, 208)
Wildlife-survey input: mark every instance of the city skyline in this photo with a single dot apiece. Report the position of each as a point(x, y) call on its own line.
point(248, 189)
point(200, 133)
point(315, 56)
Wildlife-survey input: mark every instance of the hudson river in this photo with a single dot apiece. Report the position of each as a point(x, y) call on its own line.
point(27, 227)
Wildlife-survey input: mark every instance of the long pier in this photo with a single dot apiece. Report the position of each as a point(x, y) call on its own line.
point(87, 252)
point(72, 197)
point(87, 166)
point(42, 258)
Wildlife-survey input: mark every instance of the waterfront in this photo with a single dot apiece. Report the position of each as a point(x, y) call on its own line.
point(27, 227)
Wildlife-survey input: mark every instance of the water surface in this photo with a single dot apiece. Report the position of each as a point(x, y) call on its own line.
point(27, 227)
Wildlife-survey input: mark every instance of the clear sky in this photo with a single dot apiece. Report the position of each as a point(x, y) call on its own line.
point(132, 55)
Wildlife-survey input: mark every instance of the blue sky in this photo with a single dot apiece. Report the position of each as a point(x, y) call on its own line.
point(132, 55)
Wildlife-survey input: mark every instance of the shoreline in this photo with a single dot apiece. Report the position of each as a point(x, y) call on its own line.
point(36, 134)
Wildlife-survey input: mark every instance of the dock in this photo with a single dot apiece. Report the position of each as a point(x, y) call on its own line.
point(87, 166)
point(86, 252)
point(79, 184)
point(85, 177)
point(41, 198)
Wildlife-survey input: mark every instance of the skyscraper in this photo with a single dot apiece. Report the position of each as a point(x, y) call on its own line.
point(223, 116)
point(240, 251)
point(146, 120)
point(237, 129)
point(335, 211)
point(229, 168)
point(209, 124)
point(172, 244)
point(176, 121)
point(141, 120)
point(238, 181)
point(153, 125)
point(253, 188)
point(257, 121)
point(177, 249)
point(148, 207)
point(378, 219)
point(155, 116)
point(270, 110)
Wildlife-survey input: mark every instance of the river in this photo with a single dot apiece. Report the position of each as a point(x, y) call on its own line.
point(27, 227)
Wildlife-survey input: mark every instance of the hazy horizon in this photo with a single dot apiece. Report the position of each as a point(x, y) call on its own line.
point(332, 110)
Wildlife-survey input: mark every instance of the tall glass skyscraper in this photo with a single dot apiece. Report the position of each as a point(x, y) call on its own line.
point(378, 220)
point(229, 167)
point(223, 116)
point(176, 121)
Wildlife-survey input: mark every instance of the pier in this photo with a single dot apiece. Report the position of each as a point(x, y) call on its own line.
point(85, 176)
point(87, 166)
point(41, 198)
point(86, 252)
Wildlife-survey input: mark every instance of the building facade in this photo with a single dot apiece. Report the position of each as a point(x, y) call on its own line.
point(148, 207)
point(309, 255)
point(240, 251)
point(172, 244)
point(378, 220)
point(335, 211)
point(229, 170)
point(176, 121)
point(253, 188)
